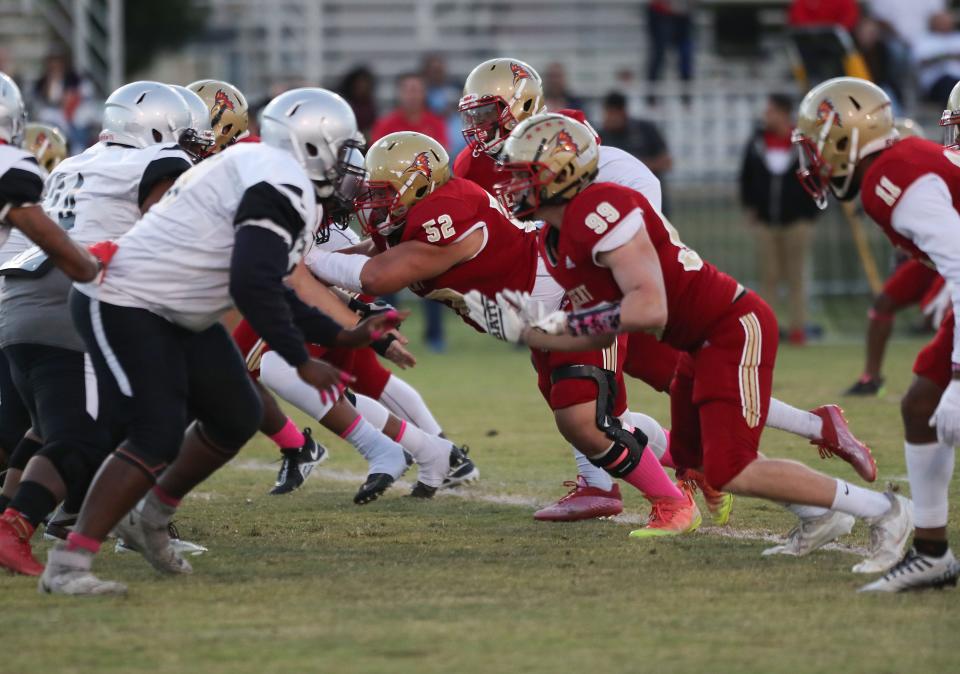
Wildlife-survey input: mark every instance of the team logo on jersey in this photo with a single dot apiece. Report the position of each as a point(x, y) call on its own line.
point(519, 73)
point(566, 143)
point(825, 110)
point(421, 164)
point(221, 103)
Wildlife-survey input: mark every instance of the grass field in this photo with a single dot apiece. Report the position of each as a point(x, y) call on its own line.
point(470, 583)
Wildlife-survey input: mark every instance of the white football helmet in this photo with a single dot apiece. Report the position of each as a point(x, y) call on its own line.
point(144, 113)
point(318, 127)
point(13, 114)
point(199, 138)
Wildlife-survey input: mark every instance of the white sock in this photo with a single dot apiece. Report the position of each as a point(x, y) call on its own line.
point(792, 420)
point(404, 401)
point(594, 476)
point(372, 411)
point(280, 377)
point(383, 454)
point(929, 467)
point(858, 501)
point(656, 436)
point(806, 512)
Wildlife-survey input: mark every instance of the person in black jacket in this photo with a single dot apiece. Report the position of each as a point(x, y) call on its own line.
point(780, 212)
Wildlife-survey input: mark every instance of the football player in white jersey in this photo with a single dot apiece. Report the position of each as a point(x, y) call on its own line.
point(226, 233)
point(97, 195)
point(21, 187)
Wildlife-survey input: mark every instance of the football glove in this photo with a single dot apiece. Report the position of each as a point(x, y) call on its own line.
point(499, 319)
point(534, 312)
point(946, 418)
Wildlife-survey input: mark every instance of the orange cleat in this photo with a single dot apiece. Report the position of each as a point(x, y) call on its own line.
point(583, 502)
point(671, 517)
point(837, 439)
point(719, 503)
point(15, 552)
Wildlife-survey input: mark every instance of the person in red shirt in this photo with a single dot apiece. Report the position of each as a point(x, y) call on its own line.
point(625, 269)
point(843, 13)
point(411, 113)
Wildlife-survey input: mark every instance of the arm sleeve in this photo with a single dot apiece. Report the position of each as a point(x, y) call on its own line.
point(316, 326)
point(162, 168)
point(925, 214)
point(21, 185)
point(257, 269)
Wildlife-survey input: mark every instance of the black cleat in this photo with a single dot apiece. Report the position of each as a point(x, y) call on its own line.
point(866, 386)
point(375, 485)
point(421, 490)
point(297, 464)
point(462, 469)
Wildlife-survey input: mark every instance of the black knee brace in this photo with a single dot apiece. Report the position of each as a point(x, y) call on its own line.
point(76, 464)
point(628, 447)
point(25, 450)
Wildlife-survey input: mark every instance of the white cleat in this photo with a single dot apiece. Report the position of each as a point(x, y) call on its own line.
point(181, 546)
point(917, 572)
point(813, 533)
point(68, 573)
point(152, 541)
point(889, 534)
point(433, 469)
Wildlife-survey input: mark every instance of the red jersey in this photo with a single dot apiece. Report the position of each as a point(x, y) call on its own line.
point(605, 216)
point(507, 259)
point(895, 170)
point(429, 124)
point(481, 169)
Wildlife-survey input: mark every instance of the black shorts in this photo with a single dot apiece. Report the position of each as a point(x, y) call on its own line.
point(157, 376)
point(14, 417)
point(60, 390)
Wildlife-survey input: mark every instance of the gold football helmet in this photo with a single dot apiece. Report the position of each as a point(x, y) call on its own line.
point(402, 168)
point(498, 95)
point(549, 158)
point(46, 143)
point(840, 122)
point(950, 118)
point(228, 110)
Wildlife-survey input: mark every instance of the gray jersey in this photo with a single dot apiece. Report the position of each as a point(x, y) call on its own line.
point(175, 262)
point(95, 196)
point(21, 183)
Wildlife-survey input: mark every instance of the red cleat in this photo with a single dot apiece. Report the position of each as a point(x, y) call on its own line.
point(15, 552)
point(583, 502)
point(838, 439)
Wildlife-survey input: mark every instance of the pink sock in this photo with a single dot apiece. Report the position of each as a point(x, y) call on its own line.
point(289, 437)
point(667, 458)
point(650, 479)
point(165, 497)
point(77, 541)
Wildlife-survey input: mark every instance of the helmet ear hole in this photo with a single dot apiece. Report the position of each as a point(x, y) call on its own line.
point(527, 105)
point(843, 143)
point(421, 192)
point(227, 128)
point(312, 150)
point(157, 136)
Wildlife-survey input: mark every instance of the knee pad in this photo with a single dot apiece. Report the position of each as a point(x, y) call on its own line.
point(628, 447)
point(75, 464)
point(243, 424)
point(24, 451)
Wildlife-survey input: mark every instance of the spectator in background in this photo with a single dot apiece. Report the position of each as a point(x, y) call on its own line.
point(358, 87)
point(843, 13)
point(670, 24)
point(639, 137)
point(556, 92)
point(443, 97)
point(412, 114)
point(780, 212)
point(907, 20)
point(63, 98)
point(936, 56)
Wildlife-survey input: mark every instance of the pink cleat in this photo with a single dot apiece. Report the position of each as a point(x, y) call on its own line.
point(838, 439)
point(583, 502)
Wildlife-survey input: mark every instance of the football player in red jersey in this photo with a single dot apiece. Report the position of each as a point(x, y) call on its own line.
point(499, 94)
point(625, 269)
point(911, 189)
point(444, 237)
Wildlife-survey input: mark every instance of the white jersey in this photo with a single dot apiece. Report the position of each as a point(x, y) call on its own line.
point(339, 239)
point(622, 168)
point(175, 262)
point(21, 183)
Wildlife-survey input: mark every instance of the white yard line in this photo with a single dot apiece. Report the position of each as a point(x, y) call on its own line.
point(474, 493)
